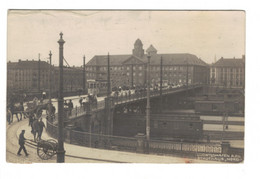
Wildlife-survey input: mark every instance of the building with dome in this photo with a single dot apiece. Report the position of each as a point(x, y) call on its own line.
point(130, 69)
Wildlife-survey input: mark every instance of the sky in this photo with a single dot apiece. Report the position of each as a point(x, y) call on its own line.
point(205, 34)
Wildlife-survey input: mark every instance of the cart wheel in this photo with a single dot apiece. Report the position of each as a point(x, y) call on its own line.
point(45, 151)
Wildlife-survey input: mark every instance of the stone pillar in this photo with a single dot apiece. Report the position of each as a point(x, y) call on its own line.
point(225, 147)
point(141, 140)
point(68, 130)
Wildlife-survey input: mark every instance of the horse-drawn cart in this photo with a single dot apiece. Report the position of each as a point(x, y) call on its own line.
point(37, 109)
point(46, 149)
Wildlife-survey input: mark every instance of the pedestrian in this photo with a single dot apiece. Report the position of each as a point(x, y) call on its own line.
point(21, 109)
point(35, 129)
point(21, 143)
point(70, 105)
point(31, 119)
point(41, 125)
point(65, 104)
point(9, 116)
point(80, 101)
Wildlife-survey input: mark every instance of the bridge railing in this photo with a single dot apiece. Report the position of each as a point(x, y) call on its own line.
point(126, 97)
point(134, 144)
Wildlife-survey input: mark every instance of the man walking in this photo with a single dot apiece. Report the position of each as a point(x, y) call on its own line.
point(21, 143)
point(40, 129)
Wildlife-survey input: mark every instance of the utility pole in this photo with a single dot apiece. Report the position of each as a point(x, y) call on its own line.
point(39, 73)
point(161, 75)
point(148, 100)
point(108, 77)
point(132, 75)
point(84, 75)
point(60, 149)
point(108, 101)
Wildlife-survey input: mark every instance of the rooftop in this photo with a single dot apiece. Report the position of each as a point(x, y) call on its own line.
point(230, 62)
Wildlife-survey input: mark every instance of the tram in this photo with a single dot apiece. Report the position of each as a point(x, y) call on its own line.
point(97, 87)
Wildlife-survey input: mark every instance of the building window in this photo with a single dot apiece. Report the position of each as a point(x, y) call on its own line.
point(140, 68)
point(140, 74)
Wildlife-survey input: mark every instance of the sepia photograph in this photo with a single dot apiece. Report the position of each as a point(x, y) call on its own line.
point(125, 86)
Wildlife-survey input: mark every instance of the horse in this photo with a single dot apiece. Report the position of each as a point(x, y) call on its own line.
point(17, 110)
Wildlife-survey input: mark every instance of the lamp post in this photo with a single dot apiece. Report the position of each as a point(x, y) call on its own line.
point(50, 76)
point(60, 149)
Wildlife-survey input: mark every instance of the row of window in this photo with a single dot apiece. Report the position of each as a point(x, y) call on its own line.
point(237, 70)
point(129, 67)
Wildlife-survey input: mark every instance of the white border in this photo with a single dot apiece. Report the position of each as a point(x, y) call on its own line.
point(247, 170)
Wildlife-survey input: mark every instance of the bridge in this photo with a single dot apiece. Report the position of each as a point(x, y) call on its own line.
point(100, 123)
point(128, 99)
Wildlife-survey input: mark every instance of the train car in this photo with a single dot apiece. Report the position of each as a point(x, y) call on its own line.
point(98, 88)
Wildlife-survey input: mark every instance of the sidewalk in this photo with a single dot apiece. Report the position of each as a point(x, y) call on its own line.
point(107, 155)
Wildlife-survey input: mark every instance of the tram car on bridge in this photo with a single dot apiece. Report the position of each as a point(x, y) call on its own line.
point(97, 87)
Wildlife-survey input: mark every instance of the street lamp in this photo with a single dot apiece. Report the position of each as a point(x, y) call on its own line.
point(50, 76)
point(60, 149)
point(149, 51)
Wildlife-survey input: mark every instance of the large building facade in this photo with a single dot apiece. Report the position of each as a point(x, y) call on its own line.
point(228, 72)
point(130, 70)
point(34, 76)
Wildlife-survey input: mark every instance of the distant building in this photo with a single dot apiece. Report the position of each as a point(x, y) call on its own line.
point(130, 70)
point(33, 76)
point(228, 72)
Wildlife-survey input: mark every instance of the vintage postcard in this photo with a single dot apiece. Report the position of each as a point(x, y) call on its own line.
point(125, 86)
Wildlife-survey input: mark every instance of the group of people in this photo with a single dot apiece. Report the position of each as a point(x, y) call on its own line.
point(37, 126)
point(88, 101)
point(68, 106)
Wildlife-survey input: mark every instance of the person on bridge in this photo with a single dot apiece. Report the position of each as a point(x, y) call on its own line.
point(41, 125)
point(80, 101)
point(21, 143)
point(70, 105)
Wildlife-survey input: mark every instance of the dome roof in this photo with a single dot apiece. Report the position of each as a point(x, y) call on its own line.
point(138, 42)
point(151, 49)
